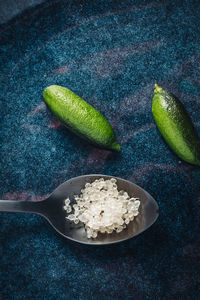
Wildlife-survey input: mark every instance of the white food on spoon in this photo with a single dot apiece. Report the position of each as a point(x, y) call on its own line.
point(102, 208)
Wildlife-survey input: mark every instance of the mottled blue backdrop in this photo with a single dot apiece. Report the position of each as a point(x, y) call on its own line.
point(111, 53)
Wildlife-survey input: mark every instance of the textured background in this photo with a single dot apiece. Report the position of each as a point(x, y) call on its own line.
point(110, 53)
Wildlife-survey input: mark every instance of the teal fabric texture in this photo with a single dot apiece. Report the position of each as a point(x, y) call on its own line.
point(111, 53)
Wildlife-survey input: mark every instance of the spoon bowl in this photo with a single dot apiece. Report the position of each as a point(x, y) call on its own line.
point(52, 209)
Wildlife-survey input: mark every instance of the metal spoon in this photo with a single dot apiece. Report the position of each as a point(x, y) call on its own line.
point(52, 209)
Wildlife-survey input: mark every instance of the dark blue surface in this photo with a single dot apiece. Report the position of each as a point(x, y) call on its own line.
point(111, 53)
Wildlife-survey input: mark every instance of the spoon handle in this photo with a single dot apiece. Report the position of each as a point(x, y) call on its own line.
point(20, 206)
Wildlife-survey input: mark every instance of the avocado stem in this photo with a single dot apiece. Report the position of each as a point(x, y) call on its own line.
point(157, 89)
point(116, 146)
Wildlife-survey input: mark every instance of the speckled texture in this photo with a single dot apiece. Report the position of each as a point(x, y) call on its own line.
point(110, 53)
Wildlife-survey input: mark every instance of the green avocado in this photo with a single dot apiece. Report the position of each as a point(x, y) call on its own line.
point(80, 117)
point(176, 126)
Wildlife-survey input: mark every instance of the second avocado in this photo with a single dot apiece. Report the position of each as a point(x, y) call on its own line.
point(176, 126)
point(80, 117)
